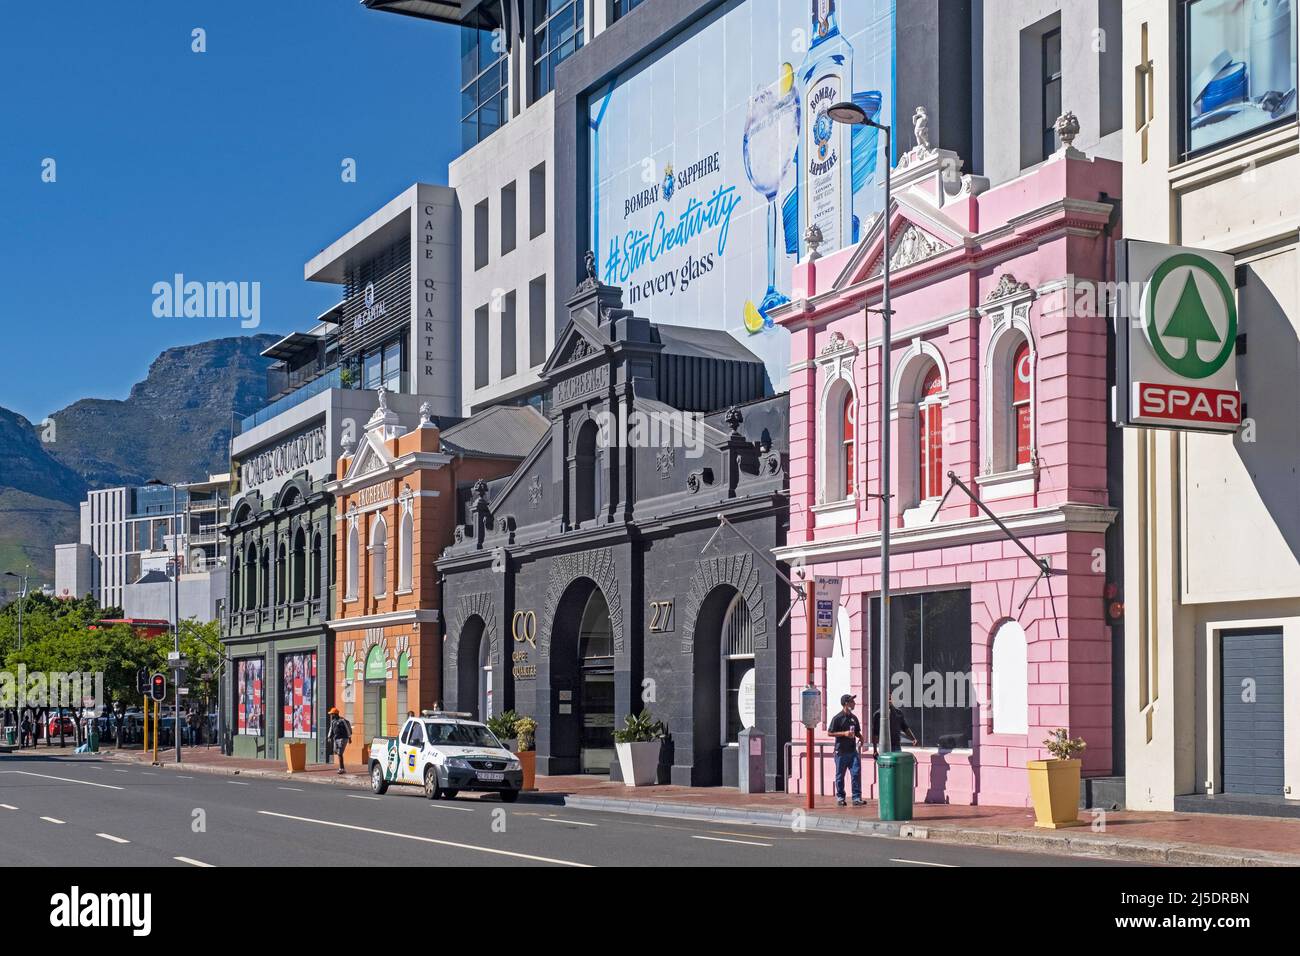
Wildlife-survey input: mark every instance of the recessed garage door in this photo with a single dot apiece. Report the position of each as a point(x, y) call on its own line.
point(1251, 665)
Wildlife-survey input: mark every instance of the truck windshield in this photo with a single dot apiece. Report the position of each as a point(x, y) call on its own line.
point(462, 735)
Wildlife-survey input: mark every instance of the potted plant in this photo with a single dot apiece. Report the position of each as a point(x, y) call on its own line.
point(526, 728)
point(638, 745)
point(1054, 784)
point(503, 728)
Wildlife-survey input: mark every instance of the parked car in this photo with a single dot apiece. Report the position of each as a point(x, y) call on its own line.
point(445, 753)
point(62, 723)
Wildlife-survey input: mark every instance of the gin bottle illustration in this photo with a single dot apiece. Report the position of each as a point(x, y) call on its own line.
point(825, 156)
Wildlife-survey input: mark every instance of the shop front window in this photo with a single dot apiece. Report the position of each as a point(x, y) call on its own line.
point(929, 664)
point(1238, 71)
point(298, 716)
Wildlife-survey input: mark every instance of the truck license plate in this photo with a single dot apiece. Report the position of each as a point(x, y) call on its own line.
point(491, 777)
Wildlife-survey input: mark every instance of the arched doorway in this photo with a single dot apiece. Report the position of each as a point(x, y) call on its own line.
point(725, 682)
point(474, 690)
point(582, 680)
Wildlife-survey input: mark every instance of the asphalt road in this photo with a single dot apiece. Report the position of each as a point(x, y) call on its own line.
point(86, 811)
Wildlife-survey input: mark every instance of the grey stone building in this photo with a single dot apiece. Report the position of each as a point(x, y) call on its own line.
point(275, 687)
point(598, 579)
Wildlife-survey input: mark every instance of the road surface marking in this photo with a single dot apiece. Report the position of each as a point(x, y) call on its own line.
point(423, 839)
point(181, 776)
point(116, 770)
point(443, 806)
point(148, 773)
point(294, 789)
point(186, 859)
point(237, 783)
point(573, 823)
point(7, 806)
point(53, 820)
point(109, 836)
point(924, 863)
point(84, 783)
point(357, 796)
point(696, 836)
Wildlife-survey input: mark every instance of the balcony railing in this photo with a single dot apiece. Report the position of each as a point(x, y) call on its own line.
point(331, 379)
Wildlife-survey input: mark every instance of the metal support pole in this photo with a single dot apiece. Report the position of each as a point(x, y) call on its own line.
point(886, 515)
point(176, 621)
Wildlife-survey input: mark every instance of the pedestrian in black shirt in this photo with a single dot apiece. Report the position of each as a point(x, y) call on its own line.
point(897, 727)
point(847, 731)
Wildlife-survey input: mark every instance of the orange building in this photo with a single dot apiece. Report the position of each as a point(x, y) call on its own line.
point(399, 500)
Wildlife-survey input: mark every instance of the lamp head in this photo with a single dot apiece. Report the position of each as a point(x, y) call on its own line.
point(850, 114)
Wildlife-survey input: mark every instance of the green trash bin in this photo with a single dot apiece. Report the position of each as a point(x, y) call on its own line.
point(897, 771)
point(11, 736)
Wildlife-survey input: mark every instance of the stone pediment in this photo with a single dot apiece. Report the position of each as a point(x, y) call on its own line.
point(579, 341)
point(371, 457)
point(910, 245)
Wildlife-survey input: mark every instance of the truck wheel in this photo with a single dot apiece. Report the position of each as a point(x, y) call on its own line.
point(377, 782)
point(431, 789)
point(509, 796)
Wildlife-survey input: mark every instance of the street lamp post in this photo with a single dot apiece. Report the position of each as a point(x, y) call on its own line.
point(853, 115)
point(22, 599)
point(176, 615)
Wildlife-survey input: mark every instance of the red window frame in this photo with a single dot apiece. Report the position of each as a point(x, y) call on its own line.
point(930, 432)
point(848, 444)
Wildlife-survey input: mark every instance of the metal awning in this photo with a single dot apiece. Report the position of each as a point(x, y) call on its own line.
point(482, 14)
point(293, 344)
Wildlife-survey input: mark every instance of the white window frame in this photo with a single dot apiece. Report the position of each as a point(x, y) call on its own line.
point(378, 551)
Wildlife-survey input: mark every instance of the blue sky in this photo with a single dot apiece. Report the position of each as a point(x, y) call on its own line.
point(223, 165)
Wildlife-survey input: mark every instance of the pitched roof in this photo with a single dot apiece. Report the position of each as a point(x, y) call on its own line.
point(502, 431)
point(704, 343)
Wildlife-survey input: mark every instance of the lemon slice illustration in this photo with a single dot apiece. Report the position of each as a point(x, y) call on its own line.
point(787, 78)
point(753, 318)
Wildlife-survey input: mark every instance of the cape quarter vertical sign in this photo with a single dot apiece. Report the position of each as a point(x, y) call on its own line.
point(1177, 341)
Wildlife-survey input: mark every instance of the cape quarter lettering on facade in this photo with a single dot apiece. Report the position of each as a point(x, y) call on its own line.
point(285, 458)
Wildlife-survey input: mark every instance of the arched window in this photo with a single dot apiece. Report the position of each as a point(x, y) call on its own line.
point(250, 578)
point(379, 557)
point(354, 562)
point(737, 670)
point(930, 432)
point(281, 579)
point(236, 582)
point(848, 445)
point(406, 548)
point(299, 566)
point(315, 565)
point(266, 578)
point(584, 475)
point(1022, 376)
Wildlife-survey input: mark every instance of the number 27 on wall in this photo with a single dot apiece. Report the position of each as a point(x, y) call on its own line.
point(661, 615)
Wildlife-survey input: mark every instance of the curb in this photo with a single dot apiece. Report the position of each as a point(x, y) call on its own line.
point(1131, 851)
point(1033, 841)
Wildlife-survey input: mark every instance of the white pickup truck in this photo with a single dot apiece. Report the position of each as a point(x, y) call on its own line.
point(445, 753)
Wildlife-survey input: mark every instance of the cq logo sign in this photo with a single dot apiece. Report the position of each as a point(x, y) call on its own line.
point(523, 627)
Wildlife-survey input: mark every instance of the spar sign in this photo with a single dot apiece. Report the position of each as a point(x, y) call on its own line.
point(1176, 338)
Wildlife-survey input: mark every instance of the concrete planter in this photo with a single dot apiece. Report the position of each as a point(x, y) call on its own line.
point(1054, 788)
point(639, 762)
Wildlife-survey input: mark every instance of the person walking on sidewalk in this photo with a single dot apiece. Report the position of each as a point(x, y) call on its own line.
point(340, 734)
point(25, 730)
point(847, 731)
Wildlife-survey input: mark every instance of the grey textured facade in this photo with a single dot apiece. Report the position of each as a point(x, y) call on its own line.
point(631, 529)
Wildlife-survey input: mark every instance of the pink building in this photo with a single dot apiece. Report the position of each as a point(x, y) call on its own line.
point(999, 375)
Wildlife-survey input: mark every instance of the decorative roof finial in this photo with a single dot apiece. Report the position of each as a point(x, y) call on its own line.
point(921, 127)
point(813, 239)
point(1067, 128)
point(589, 263)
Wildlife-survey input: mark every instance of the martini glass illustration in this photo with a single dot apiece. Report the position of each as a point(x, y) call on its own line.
point(771, 139)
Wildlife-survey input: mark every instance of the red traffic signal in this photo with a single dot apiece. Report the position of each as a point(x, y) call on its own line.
point(158, 687)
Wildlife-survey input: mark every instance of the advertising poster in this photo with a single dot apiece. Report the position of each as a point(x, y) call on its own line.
point(299, 681)
point(710, 160)
point(250, 700)
point(827, 599)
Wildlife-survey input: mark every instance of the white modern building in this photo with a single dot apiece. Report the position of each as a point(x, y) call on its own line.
point(1212, 521)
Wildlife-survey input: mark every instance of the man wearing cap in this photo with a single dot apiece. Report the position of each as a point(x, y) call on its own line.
point(846, 730)
point(340, 734)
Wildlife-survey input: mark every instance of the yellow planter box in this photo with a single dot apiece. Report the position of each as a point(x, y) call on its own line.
point(1054, 788)
point(295, 757)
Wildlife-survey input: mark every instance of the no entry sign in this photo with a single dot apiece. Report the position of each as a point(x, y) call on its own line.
point(1176, 336)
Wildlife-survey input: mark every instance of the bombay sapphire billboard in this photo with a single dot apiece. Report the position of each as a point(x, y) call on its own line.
point(710, 161)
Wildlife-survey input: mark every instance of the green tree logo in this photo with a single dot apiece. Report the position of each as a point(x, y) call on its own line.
point(1190, 319)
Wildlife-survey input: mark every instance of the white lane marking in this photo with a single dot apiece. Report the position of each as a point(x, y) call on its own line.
point(951, 866)
point(84, 783)
point(696, 836)
point(181, 776)
point(572, 823)
point(109, 836)
point(237, 783)
point(116, 770)
point(444, 806)
point(422, 839)
point(7, 806)
point(357, 796)
point(294, 789)
point(186, 859)
point(53, 820)
point(148, 773)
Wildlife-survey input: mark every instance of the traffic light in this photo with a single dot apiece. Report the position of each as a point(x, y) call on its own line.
point(158, 687)
point(142, 680)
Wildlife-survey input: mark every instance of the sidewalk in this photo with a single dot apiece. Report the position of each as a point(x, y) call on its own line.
point(1184, 839)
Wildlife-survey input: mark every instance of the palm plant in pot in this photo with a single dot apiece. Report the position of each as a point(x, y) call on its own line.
point(1054, 784)
point(526, 730)
point(638, 745)
point(503, 728)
